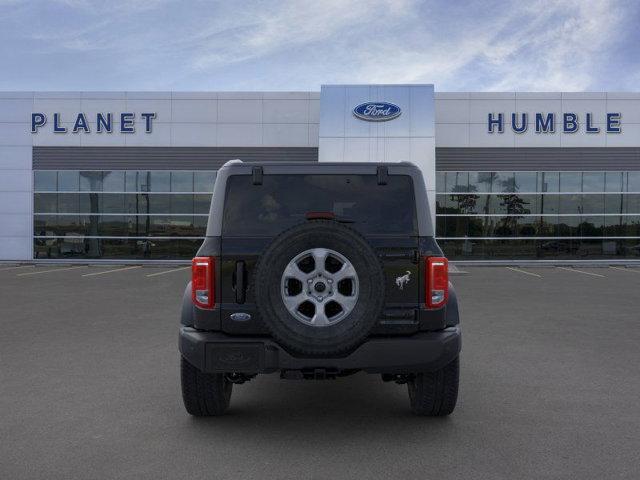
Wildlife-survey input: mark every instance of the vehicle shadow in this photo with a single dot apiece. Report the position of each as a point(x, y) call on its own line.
point(309, 410)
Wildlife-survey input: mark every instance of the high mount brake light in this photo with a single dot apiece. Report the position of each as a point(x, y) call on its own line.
point(320, 216)
point(202, 282)
point(436, 281)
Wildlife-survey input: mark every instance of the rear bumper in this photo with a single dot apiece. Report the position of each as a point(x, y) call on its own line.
point(217, 352)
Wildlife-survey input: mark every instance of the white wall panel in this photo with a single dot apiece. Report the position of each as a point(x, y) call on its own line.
point(358, 149)
point(15, 203)
point(148, 95)
point(46, 136)
point(194, 111)
point(239, 111)
point(479, 110)
point(92, 106)
point(15, 158)
point(478, 137)
point(15, 180)
point(331, 149)
point(421, 107)
point(583, 139)
point(68, 108)
point(285, 111)
point(15, 134)
point(240, 95)
point(161, 136)
point(103, 95)
point(194, 95)
point(538, 96)
point(233, 135)
point(193, 134)
point(15, 109)
point(285, 134)
point(533, 106)
point(332, 119)
point(162, 109)
point(15, 225)
point(451, 96)
point(103, 139)
point(452, 134)
point(314, 129)
point(314, 111)
point(285, 95)
point(532, 139)
point(16, 248)
point(630, 136)
point(452, 111)
point(629, 108)
point(353, 127)
point(597, 107)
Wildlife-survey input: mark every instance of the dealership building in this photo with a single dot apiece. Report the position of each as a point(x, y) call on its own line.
point(510, 176)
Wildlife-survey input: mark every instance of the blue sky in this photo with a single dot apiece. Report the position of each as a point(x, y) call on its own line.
point(536, 45)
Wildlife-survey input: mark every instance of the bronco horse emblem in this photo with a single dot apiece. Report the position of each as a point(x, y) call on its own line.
point(402, 280)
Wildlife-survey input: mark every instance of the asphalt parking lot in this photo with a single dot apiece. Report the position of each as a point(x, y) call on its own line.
point(89, 386)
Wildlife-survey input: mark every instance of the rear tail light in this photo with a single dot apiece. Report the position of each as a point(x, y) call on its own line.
point(437, 281)
point(202, 282)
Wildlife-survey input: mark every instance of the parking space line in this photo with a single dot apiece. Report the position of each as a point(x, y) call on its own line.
point(15, 268)
point(167, 271)
point(111, 271)
point(632, 270)
point(49, 271)
point(522, 271)
point(581, 271)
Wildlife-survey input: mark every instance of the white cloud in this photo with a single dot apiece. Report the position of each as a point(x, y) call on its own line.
point(299, 44)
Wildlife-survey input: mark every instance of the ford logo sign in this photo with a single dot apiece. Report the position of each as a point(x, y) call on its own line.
point(377, 111)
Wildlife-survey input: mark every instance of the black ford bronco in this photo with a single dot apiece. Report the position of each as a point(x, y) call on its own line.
point(318, 271)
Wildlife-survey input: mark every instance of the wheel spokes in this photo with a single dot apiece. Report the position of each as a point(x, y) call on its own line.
point(294, 301)
point(320, 318)
point(319, 258)
point(293, 271)
point(346, 302)
point(346, 271)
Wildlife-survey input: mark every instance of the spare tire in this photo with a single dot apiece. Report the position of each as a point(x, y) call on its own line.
point(319, 288)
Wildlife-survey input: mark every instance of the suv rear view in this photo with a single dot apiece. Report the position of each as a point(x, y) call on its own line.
point(317, 271)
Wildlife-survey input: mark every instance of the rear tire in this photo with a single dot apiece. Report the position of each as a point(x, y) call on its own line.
point(204, 394)
point(434, 394)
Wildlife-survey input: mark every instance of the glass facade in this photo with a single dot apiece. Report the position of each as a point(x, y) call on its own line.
point(538, 215)
point(120, 214)
point(502, 215)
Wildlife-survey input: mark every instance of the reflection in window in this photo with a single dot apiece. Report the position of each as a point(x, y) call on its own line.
point(68, 181)
point(549, 182)
point(457, 182)
point(571, 181)
point(92, 205)
point(182, 182)
point(504, 182)
point(45, 181)
point(633, 182)
point(593, 181)
point(113, 181)
point(526, 182)
point(613, 182)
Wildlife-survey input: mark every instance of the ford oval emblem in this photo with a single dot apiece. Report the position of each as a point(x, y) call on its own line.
point(240, 317)
point(377, 111)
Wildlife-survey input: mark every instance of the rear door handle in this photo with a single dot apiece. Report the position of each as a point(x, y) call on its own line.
point(241, 284)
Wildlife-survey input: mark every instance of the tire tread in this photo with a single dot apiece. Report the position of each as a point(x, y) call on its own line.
point(204, 394)
point(435, 394)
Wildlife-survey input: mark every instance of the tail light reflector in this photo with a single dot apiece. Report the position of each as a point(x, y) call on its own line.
point(202, 282)
point(437, 281)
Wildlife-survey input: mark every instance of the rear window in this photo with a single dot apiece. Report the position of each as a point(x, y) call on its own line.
point(283, 201)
